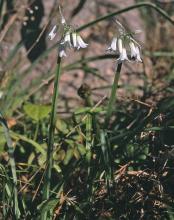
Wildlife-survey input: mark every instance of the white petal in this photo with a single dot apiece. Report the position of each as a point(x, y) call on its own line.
point(62, 50)
point(81, 43)
point(113, 46)
point(133, 50)
point(74, 38)
point(120, 45)
point(138, 54)
point(52, 33)
point(62, 53)
point(63, 20)
point(67, 39)
point(123, 56)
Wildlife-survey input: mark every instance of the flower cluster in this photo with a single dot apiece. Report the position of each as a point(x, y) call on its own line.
point(123, 43)
point(70, 38)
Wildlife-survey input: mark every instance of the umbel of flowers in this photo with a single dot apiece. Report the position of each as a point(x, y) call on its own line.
point(70, 38)
point(127, 47)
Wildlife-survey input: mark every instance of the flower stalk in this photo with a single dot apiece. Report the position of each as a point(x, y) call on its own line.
point(113, 97)
point(47, 181)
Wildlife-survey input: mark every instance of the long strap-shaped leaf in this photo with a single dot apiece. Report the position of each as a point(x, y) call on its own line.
point(12, 165)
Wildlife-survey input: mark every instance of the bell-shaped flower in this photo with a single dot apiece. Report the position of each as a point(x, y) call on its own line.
point(123, 56)
point(67, 39)
point(80, 42)
point(61, 50)
point(113, 46)
point(63, 21)
point(52, 33)
point(122, 41)
point(138, 58)
point(133, 50)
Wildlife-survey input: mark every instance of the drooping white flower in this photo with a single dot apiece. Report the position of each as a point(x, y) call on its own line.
point(80, 42)
point(52, 33)
point(138, 58)
point(133, 50)
point(113, 46)
point(62, 50)
point(62, 53)
point(123, 56)
point(63, 20)
point(77, 41)
point(122, 41)
point(67, 39)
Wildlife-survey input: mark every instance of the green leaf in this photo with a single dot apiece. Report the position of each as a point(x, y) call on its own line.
point(88, 110)
point(68, 156)
point(57, 168)
point(60, 155)
point(61, 126)
point(81, 148)
point(88, 156)
point(18, 137)
point(47, 206)
point(2, 140)
point(37, 112)
point(76, 154)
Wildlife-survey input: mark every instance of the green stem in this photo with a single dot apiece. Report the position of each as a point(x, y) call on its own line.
point(47, 180)
point(112, 98)
point(36, 131)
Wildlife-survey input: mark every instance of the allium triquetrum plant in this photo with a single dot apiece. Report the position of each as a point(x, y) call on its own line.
point(129, 50)
point(69, 39)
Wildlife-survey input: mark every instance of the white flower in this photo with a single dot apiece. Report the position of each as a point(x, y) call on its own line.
point(123, 56)
point(122, 41)
point(52, 33)
point(133, 50)
point(62, 53)
point(62, 50)
point(67, 39)
point(80, 43)
point(77, 41)
point(138, 54)
point(113, 46)
point(63, 20)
